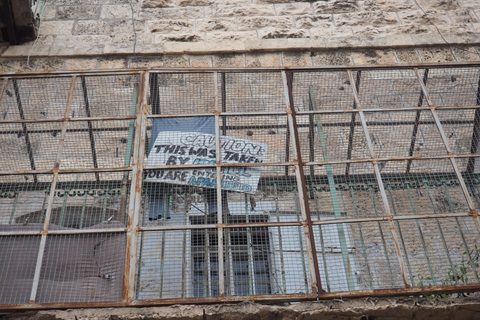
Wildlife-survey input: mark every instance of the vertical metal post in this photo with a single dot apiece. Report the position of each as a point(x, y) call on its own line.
point(417, 121)
point(90, 127)
point(24, 128)
point(395, 236)
point(475, 133)
point(43, 240)
point(333, 193)
point(301, 184)
point(135, 203)
point(218, 168)
point(352, 126)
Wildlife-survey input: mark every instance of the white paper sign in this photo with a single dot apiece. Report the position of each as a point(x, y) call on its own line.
point(176, 147)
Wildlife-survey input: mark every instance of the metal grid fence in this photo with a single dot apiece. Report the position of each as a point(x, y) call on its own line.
point(141, 187)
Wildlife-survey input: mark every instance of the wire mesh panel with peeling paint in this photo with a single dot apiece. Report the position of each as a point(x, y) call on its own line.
point(147, 187)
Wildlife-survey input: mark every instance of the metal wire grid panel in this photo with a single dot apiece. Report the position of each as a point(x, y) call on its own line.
point(265, 184)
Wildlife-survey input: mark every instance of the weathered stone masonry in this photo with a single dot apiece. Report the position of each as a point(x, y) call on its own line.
point(82, 34)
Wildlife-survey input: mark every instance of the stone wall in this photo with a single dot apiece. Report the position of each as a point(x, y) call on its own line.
point(82, 34)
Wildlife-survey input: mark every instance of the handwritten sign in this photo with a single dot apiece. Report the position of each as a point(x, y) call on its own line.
point(180, 148)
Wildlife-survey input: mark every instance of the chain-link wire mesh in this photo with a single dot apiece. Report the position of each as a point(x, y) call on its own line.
point(212, 186)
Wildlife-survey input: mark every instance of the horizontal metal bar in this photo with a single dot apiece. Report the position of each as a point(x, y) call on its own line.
point(70, 119)
point(52, 232)
point(128, 71)
point(106, 170)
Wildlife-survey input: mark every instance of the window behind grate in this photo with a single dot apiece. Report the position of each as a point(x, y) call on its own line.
point(246, 259)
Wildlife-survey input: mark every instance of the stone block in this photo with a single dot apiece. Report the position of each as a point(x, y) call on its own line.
point(463, 16)
point(440, 4)
point(80, 64)
point(49, 13)
point(241, 35)
point(229, 60)
point(297, 59)
point(396, 5)
point(201, 62)
point(465, 53)
point(171, 13)
point(220, 10)
point(78, 12)
point(56, 28)
point(335, 6)
point(170, 26)
point(410, 56)
point(419, 17)
point(295, 8)
point(50, 64)
point(436, 54)
point(274, 33)
point(374, 18)
point(218, 24)
point(266, 44)
point(331, 58)
point(331, 33)
point(16, 65)
point(254, 23)
point(204, 47)
point(180, 38)
point(92, 27)
point(263, 60)
point(129, 37)
point(113, 63)
point(76, 50)
point(157, 3)
point(314, 21)
point(175, 61)
point(372, 57)
point(151, 62)
point(81, 40)
point(116, 12)
point(185, 3)
point(24, 51)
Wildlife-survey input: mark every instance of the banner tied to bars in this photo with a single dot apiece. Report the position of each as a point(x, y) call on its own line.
point(190, 148)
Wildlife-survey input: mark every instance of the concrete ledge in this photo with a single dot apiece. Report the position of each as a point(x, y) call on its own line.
point(239, 46)
point(366, 308)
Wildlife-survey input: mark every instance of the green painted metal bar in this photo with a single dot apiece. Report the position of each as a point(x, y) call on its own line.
point(392, 203)
point(300, 242)
point(64, 208)
point(184, 252)
point(385, 251)
point(364, 250)
point(84, 207)
point(333, 193)
point(322, 243)
point(422, 238)
point(280, 241)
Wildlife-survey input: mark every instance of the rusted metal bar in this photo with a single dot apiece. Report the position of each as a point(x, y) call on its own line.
point(475, 133)
point(386, 205)
point(2, 90)
point(417, 122)
point(24, 128)
point(220, 207)
point(316, 282)
point(90, 128)
point(135, 201)
point(466, 193)
point(43, 240)
point(353, 124)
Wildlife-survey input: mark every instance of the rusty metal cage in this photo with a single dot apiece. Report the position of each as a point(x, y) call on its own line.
point(347, 181)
